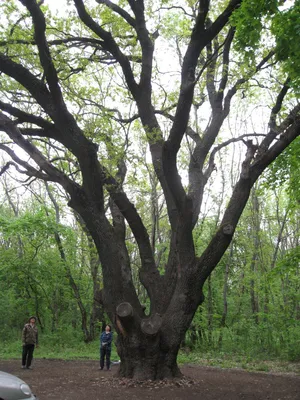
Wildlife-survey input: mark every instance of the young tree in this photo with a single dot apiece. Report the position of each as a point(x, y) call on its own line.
point(52, 73)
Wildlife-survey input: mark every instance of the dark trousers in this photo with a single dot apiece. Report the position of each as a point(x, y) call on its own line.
point(27, 354)
point(105, 352)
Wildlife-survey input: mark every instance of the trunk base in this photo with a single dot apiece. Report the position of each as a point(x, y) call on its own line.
point(140, 371)
point(147, 361)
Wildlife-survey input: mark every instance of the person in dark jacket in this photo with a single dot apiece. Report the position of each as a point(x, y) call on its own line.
point(105, 347)
point(29, 341)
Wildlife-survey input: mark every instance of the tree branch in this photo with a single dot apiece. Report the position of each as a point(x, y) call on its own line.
point(278, 104)
point(221, 240)
point(274, 131)
point(25, 117)
point(147, 48)
point(175, 8)
point(239, 82)
point(124, 14)
point(199, 39)
point(109, 44)
point(286, 137)
point(142, 92)
point(76, 39)
point(34, 86)
point(149, 274)
point(211, 164)
point(225, 63)
point(39, 24)
point(51, 133)
point(29, 170)
point(289, 119)
point(223, 18)
point(56, 176)
point(197, 177)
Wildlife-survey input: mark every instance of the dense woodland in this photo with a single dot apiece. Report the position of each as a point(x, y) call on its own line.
point(149, 175)
point(50, 268)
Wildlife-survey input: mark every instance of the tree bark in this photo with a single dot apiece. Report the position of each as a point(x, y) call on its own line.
point(146, 357)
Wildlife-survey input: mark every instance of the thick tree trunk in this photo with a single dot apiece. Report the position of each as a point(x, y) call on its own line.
point(144, 358)
point(148, 346)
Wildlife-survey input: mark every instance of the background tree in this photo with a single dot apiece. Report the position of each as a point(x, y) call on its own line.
point(48, 265)
point(60, 77)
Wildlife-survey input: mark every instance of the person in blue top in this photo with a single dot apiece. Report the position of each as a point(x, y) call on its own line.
point(105, 347)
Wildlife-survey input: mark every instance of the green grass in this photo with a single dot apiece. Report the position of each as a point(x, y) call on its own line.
point(64, 351)
point(226, 360)
point(75, 349)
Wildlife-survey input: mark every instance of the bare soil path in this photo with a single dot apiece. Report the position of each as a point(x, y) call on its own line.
point(81, 380)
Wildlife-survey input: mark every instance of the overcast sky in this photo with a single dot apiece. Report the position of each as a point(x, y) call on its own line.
point(60, 5)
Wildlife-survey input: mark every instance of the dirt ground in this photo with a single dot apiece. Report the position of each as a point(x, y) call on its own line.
point(81, 380)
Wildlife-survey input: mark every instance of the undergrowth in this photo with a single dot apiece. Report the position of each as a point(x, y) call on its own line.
point(52, 347)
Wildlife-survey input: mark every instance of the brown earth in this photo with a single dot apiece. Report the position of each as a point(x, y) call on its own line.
point(81, 380)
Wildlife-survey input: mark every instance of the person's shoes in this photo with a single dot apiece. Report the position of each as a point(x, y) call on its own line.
point(108, 369)
point(101, 369)
point(23, 367)
point(29, 368)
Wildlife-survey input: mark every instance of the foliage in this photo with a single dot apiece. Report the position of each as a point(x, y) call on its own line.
point(285, 170)
point(285, 25)
point(250, 20)
point(34, 279)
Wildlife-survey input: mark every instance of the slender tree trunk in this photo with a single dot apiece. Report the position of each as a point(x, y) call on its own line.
point(240, 301)
point(36, 303)
point(253, 266)
point(282, 225)
point(209, 312)
point(84, 319)
point(97, 314)
point(225, 289)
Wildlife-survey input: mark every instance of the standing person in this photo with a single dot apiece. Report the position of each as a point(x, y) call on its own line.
point(105, 347)
point(29, 341)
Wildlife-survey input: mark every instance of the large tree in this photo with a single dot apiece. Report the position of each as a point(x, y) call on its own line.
point(66, 83)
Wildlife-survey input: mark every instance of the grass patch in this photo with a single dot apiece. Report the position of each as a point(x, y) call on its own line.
point(53, 347)
point(245, 362)
point(64, 351)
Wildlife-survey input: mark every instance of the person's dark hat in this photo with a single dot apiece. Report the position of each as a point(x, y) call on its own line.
point(32, 317)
